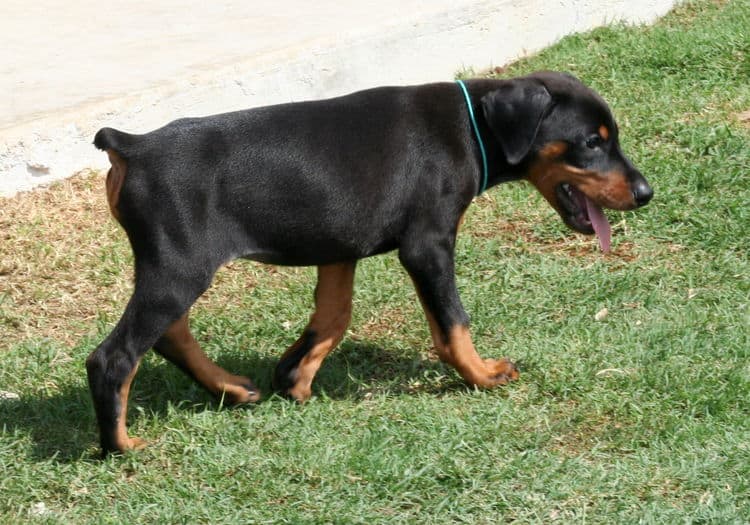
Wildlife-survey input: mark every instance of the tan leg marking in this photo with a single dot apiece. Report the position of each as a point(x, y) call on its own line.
point(460, 222)
point(179, 346)
point(457, 349)
point(333, 311)
point(122, 440)
point(115, 178)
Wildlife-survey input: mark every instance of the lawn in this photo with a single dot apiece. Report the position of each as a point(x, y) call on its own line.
point(641, 416)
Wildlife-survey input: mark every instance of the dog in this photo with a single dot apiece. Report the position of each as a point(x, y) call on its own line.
point(326, 183)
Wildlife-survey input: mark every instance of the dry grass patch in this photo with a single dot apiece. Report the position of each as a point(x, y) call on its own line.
point(65, 263)
point(524, 229)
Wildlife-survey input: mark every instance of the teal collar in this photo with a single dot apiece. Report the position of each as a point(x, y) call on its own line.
point(476, 133)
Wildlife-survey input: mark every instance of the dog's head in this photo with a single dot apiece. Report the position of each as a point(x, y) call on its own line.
point(564, 137)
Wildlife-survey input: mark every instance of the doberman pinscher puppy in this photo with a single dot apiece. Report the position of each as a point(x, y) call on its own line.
point(327, 183)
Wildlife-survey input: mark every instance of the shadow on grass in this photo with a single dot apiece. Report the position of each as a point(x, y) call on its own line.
point(60, 426)
point(354, 371)
point(63, 426)
point(357, 370)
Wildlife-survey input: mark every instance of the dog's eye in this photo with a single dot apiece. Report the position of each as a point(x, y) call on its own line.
point(594, 141)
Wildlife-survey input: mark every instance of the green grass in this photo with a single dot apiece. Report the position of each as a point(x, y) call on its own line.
point(642, 417)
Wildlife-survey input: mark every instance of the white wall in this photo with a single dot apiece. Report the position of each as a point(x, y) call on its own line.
point(199, 63)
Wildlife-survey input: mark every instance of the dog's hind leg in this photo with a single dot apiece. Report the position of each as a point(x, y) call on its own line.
point(160, 298)
point(333, 309)
point(180, 347)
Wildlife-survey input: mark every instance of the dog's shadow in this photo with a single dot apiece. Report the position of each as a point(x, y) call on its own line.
point(62, 427)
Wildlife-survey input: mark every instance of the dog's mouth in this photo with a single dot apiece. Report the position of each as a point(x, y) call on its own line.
point(582, 215)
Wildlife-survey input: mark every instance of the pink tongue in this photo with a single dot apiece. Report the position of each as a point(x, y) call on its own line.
point(600, 224)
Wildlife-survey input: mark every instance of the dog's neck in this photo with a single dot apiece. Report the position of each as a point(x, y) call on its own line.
point(499, 170)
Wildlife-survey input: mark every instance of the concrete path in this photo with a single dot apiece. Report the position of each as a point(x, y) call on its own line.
point(68, 68)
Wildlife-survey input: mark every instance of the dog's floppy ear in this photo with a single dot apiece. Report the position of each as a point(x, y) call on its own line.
point(514, 113)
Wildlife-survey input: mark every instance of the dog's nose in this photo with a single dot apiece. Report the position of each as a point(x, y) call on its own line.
point(642, 192)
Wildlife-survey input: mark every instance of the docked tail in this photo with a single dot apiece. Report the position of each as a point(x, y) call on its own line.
point(118, 146)
point(112, 139)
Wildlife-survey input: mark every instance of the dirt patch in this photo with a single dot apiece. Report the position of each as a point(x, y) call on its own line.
point(744, 118)
point(522, 230)
point(384, 326)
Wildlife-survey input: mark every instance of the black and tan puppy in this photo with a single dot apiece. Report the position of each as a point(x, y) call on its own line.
point(327, 183)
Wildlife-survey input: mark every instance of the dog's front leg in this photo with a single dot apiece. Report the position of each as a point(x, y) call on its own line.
point(333, 310)
point(431, 267)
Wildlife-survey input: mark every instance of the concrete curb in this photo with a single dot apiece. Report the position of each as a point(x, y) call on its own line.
point(428, 41)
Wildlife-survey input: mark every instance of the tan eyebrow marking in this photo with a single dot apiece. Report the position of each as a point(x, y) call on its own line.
point(604, 132)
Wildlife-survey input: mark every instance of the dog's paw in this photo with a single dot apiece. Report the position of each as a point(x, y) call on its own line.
point(241, 390)
point(136, 443)
point(297, 391)
point(122, 445)
point(501, 371)
point(287, 382)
